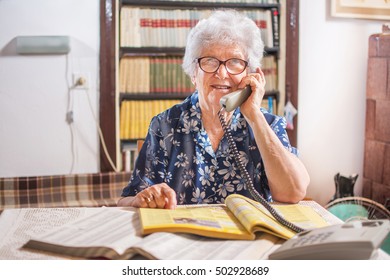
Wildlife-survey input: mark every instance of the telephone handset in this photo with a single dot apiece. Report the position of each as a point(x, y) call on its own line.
point(234, 99)
point(230, 102)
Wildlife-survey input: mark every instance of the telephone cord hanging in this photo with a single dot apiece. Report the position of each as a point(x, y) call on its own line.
point(248, 180)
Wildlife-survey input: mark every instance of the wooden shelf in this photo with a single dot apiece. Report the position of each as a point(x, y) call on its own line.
point(196, 5)
point(170, 96)
point(168, 51)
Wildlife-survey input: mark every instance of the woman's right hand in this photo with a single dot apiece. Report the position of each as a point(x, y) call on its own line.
point(156, 196)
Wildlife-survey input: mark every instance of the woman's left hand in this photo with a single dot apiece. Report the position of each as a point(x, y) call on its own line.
point(156, 196)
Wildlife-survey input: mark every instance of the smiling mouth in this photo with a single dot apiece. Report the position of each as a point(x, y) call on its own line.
point(221, 87)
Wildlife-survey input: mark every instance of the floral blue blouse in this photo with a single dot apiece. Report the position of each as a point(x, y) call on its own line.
point(178, 151)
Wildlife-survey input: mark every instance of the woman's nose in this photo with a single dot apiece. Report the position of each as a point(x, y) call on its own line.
point(222, 72)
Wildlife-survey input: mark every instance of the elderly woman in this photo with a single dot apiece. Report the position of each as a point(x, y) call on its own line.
point(186, 158)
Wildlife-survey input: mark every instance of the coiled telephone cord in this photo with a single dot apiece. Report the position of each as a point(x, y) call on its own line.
point(248, 180)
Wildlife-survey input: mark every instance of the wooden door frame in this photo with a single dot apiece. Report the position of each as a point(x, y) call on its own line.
point(292, 61)
point(107, 103)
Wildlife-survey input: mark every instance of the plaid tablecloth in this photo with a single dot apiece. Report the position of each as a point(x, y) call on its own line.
point(78, 190)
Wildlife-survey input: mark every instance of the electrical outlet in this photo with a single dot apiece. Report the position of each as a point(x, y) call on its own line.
point(70, 117)
point(81, 80)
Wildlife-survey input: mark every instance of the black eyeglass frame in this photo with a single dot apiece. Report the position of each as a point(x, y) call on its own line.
point(221, 62)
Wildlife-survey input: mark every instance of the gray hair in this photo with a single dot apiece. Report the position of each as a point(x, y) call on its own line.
point(224, 27)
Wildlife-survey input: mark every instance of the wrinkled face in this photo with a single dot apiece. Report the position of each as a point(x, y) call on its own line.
point(212, 86)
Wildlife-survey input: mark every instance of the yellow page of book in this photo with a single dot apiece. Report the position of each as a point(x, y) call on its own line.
point(206, 220)
point(254, 216)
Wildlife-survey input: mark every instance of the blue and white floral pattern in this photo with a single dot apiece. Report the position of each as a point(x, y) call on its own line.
point(178, 151)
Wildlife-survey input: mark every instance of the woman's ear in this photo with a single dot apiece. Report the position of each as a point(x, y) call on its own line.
point(194, 75)
point(193, 80)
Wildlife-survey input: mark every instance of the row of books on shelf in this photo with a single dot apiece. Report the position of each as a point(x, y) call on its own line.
point(152, 75)
point(135, 115)
point(165, 75)
point(145, 27)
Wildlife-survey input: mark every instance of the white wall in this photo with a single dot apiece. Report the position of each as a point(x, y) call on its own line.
point(35, 138)
point(332, 87)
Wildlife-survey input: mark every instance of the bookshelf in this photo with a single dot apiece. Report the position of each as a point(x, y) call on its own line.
point(114, 95)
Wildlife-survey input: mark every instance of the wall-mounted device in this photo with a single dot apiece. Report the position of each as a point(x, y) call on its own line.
point(42, 44)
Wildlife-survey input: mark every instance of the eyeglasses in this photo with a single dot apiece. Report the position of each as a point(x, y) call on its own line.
point(233, 66)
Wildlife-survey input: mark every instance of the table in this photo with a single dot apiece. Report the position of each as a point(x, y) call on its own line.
point(18, 225)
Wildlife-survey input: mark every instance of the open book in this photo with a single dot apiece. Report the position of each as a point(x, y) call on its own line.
point(112, 233)
point(239, 218)
point(117, 233)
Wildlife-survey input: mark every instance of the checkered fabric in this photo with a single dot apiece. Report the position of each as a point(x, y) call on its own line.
point(78, 190)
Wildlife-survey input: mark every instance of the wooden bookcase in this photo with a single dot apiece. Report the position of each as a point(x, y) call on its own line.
point(111, 52)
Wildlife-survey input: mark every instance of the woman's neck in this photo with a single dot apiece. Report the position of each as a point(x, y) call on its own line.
point(212, 125)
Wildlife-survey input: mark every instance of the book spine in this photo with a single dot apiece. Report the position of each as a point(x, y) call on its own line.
point(269, 69)
point(275, 26)
point(152, 74)
point(122, 75)
point(270, 104)
point(126, 160)
point(122, 121)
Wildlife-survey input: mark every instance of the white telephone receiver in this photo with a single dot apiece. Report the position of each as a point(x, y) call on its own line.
point(234, 99)
point(354, 240)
